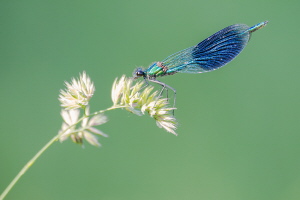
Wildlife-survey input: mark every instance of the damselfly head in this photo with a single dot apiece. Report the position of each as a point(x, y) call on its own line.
point(138, 72)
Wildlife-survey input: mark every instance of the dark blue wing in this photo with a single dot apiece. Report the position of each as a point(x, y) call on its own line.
point(212, 53)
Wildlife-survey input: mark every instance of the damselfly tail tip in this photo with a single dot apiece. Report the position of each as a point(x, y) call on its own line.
point(258, 26)
point(264, 23)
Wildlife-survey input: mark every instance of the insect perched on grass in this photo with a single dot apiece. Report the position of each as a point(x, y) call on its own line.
point(210, 54)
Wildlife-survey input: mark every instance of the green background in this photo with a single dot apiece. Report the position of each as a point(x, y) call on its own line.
point(238, 126)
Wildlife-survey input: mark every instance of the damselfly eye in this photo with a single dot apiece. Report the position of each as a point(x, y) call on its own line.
point(139, 72)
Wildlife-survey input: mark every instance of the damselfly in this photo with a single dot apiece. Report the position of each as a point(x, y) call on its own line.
point(210, 54)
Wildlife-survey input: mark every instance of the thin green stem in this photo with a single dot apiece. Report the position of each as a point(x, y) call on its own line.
point(40, 152)
point(102, 111)
point(27, 166)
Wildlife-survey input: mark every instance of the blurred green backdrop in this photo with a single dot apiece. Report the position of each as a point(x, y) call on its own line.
point(239, 125)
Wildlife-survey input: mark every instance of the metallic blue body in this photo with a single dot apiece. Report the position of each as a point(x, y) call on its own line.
point(210, 54)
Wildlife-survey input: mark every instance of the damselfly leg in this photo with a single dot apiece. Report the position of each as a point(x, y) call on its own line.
point(165, 87)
